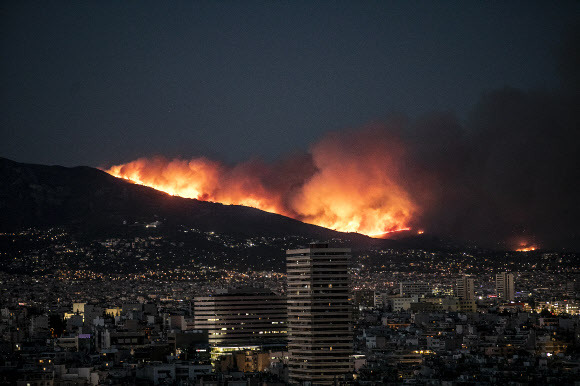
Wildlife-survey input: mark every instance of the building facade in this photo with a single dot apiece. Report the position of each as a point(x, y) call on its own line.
point(465, 288)
point(400, 304)
point(504, 286)
point(241, 318)
point(414, 288)
point(319, 315)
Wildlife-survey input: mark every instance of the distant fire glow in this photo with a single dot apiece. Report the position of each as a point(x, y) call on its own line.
point(347, 184)
point(386, 234)
point(524, 247)
point(527, 249)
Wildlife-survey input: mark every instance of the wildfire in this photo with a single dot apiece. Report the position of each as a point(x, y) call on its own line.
point(385, 235)
point(348, 183)
point(526, 247)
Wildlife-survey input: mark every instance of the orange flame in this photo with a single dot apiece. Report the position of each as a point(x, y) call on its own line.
point(347, 184)
point(526, 247)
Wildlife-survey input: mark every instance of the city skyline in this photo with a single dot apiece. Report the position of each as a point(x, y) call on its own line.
point(289, 193)
point(348, 320)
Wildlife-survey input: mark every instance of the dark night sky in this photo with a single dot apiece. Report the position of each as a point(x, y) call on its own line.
point(97, 83)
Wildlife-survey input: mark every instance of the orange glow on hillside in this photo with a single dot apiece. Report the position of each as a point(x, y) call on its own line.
point(527, 249)
point(349, 183)
point(386, 235)
point(326, 199)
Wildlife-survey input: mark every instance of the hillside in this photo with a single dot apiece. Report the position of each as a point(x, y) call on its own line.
point(90, 199)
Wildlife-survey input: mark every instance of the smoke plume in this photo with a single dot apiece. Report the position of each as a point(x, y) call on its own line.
point(349, 181)
point(506, 177)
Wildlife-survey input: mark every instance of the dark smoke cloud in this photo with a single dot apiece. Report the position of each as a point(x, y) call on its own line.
point(507, 176)
point(511, 173)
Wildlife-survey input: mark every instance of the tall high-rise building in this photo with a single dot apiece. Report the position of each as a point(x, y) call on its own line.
point(504, 286)
point(319, 314)
point(465, 288)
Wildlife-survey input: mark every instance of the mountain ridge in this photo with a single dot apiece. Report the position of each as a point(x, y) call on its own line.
point(43, 195)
